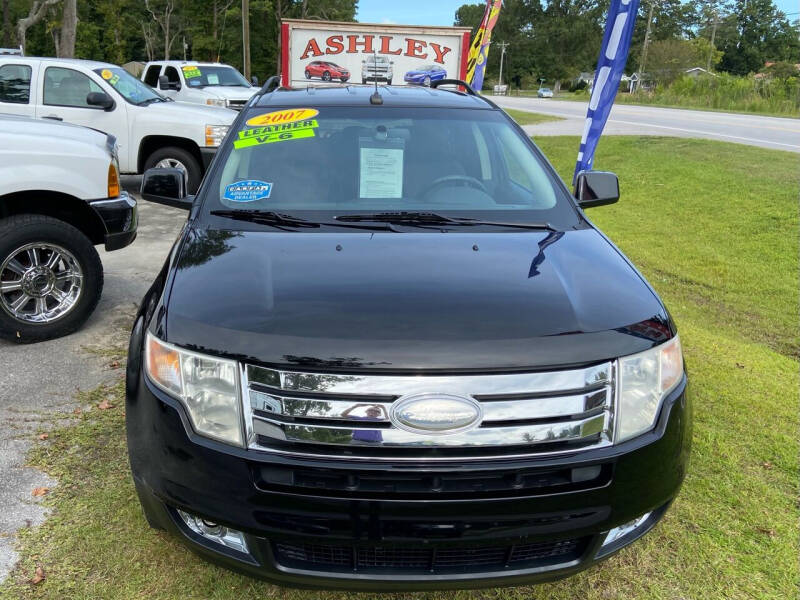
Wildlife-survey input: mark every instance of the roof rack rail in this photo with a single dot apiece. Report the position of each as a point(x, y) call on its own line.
point(270, 85)
point(464, 84)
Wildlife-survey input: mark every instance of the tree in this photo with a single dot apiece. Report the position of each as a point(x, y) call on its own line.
point(37, 12)
point(762, 34)
point(163, 13)
point(64, 37)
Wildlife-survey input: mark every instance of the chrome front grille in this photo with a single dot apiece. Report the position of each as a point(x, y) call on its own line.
point(350, 415)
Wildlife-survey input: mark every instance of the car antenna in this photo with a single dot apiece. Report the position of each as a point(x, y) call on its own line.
point(376, 98)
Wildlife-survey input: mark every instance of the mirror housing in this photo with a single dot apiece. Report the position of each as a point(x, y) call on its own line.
point(167, 187)
point(596, 188)
point(165, 84)
point(100, 100)
point(254, 81)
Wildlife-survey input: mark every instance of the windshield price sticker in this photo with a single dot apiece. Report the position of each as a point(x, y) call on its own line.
point(190, 71)
point(248, 191)
point(283, 116)
point(270, 134)
point(106, 74)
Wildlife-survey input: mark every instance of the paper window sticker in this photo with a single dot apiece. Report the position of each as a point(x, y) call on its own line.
point(381, 168)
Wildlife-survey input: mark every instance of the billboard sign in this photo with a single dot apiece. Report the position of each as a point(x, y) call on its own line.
point(320, 53)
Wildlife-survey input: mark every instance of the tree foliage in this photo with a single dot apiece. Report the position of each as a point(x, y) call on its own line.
point(119, 31)
point(558, 39)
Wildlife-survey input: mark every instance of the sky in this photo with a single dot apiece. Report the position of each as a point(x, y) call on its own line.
point(442, 12)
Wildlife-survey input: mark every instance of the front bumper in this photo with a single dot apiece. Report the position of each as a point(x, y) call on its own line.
point(120, 218)
point(313, 540)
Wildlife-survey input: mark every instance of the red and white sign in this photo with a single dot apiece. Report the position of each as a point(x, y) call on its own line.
point(319, 52)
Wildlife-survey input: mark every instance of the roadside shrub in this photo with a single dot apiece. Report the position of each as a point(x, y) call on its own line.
point(726, 92)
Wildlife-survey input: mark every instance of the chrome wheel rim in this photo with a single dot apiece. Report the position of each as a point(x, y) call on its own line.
point(40, 283)
point(171, 163)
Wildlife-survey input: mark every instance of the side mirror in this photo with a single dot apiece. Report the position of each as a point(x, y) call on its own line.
point(167, 187)
point(100, 100)
point(165, 84)
point(596, 188)
point(254, 81)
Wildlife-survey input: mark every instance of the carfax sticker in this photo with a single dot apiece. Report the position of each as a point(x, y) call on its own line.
point(283, 116)
point(248, 191)
point(270, 134)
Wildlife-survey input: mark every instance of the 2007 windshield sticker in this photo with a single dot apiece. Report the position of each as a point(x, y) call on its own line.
point(248, 191)
point(281, 117)
point(270, 134)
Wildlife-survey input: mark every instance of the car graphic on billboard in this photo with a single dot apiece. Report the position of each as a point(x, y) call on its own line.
point(327, 71)
point(425, 74)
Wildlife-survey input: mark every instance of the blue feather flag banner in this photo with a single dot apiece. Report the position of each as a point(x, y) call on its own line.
point(610, 66)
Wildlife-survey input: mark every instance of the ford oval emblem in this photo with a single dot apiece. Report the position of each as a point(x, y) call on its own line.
point(433, 413)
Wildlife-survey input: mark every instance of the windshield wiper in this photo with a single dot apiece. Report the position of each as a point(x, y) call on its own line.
point(150, 101)
point(282, 221)
point(427, 218)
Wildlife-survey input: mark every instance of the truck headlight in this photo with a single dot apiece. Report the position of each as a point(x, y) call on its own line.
point(215, 134)
point(217, 102)
point(206, 386)
point(644, 380)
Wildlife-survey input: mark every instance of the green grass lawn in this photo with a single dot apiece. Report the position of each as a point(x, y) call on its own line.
point(714, 227)
point(524, 117)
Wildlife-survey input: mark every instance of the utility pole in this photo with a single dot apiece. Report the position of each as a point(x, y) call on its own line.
point(246, 37)
point(643, 59)
point(713, 37)
point(503, 46)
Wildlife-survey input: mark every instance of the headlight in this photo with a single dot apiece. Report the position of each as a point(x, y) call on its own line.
point(644, 380)
point(206, 386)
point(215, 134)
point(217, 102)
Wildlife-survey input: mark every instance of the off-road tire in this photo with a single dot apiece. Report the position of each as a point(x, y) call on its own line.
point(194, 173)
point(17, 231)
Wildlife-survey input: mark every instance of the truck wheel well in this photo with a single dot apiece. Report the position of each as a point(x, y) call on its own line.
point(60, 206)
point(153, 142)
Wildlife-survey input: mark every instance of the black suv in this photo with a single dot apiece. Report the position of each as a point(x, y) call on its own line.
point(390, 352)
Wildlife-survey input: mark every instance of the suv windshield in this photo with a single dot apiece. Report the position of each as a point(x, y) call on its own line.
point(130, 88)
point(365, 160)
point(202, 76)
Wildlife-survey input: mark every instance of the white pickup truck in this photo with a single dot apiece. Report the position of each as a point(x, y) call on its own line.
point(213, 84)
point(151, 130)
point(59, 197)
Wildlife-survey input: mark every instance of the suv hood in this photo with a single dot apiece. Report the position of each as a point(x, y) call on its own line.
point(410, 301)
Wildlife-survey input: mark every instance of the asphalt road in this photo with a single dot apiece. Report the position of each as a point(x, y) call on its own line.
point(776, 133)
point(39, 381)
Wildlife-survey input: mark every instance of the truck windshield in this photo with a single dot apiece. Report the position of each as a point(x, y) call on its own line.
point(130, 88)
point(365, 160)
point(201, 76)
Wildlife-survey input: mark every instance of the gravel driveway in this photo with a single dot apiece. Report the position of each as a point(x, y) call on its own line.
point(39, 381)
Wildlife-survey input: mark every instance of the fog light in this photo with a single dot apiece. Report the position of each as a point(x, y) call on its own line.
point(218, 534)
point(625, 529)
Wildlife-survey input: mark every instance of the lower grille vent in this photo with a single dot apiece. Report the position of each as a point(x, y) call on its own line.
point(375, 559)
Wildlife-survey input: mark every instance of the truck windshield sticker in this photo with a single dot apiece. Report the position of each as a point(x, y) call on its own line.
point(270, 134)
point(381, 169)
point(190, 71)
point(106, 74)
point(248, 191)
point(283, 116)
point(212, 79)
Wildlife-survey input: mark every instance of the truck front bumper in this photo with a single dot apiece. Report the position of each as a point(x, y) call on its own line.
point(314, 540)
point(120, 218)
